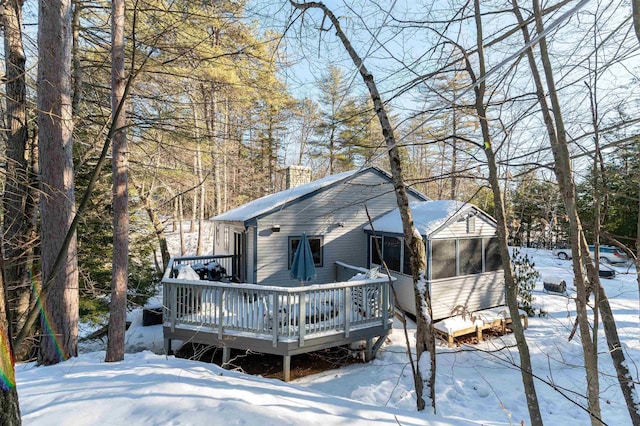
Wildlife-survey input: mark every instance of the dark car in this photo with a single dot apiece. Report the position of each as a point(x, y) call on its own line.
point(606, 272)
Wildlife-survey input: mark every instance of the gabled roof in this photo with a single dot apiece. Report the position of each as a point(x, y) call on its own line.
point(428, 216)
point(270, 203)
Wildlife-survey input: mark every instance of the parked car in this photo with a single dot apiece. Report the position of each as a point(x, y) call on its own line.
point(608, 254)
point(606, 272)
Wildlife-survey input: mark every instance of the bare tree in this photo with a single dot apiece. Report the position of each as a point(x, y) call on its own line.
point(424, 372)
point(18, 200)
point(479, 86)
point(9, 404)
point(59, 314)
point(118, 304)
point(556, 132)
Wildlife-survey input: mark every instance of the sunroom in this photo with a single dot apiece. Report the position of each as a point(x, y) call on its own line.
point(463, 262)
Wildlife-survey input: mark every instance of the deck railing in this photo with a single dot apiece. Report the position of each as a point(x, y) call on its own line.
point(271, 312)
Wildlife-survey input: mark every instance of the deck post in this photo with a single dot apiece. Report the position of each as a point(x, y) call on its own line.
point(173, 291)
point(302, 308)
point(220, 311)
point(226, 356)
point(167, 347)
point(479, 333)
point(368, 354)
point(275, 318)
point(347, 311)
point(385, 305)
point(286, 367)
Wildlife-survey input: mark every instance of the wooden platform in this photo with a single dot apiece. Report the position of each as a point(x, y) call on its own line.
point(476, 323)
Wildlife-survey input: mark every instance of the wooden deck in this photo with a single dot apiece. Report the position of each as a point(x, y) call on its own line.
point(276, 320)
point(480, 321)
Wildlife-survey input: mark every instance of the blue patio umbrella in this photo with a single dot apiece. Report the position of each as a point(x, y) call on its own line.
point(303, 267)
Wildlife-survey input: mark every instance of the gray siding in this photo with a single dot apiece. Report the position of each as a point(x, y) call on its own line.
point(251, 258)
point(475, 292)
point(484, 227)
point(337, 214)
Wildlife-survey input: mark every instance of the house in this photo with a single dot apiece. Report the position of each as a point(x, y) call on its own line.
point(464, 269)
point(263, 234)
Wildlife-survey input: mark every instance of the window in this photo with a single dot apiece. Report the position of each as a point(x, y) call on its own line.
point(226, 238)
point(406, 260)
point(392, 252)
point(316, 244)
point(470, 255)
point(492, 261)
point(376, 243)
point(443, 259)
point(471, 224)
point(217, 234)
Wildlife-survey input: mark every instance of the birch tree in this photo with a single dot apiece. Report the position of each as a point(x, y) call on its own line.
point(425, 368)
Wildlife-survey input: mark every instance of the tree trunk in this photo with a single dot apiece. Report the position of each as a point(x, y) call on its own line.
point(59, 309)
point(76, 53)
point(118, 304)
point(502, 231)
point(18, 209)
point(180, 225)
point(158, 227)
point(636, 17)
point(563, 171)
point(425, 372)
point(9, 404)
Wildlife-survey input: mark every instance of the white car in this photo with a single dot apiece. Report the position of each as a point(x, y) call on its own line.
point(608, 254)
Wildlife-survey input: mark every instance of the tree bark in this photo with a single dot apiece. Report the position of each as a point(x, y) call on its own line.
point(59, 309)
point(18, 206)
point(118, 304)
point(425, 337)
point(636, 17)
point(9, 403)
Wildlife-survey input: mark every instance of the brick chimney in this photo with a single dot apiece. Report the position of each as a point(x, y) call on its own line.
point(296, 176)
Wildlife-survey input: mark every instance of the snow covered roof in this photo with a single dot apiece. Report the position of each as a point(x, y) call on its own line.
point(270, 202)
point(428, 216)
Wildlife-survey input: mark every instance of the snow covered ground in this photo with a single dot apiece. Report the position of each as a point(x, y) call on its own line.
point(476, 384)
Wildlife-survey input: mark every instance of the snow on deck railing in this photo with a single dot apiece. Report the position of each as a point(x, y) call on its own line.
point(274, 312)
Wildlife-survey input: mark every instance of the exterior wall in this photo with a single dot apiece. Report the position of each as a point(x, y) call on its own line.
point(337, 214)
point(458, 229)
point(223, 236)
point(251, 258)
point(474, 292)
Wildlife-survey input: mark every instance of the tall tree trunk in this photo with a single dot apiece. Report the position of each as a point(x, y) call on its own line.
point(9, 403)
point(76, 53)
point(502, 231)
point(158, 227)
point(59, 309)
point(118, 304)
point(425, 371)
point(202, 199)
point(18, 210)
point(636, 17)
point(563, 170)
point(180, 224)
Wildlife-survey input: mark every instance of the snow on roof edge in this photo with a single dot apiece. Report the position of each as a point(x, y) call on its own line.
point(428, 216)
point(270, 202)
